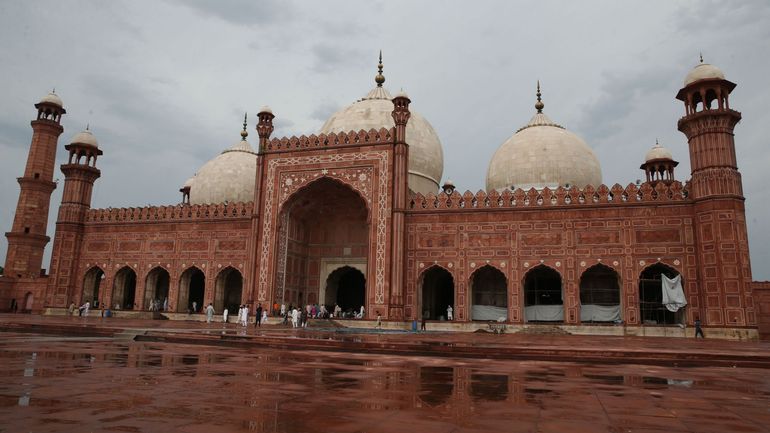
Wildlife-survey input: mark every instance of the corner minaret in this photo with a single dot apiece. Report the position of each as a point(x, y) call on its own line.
point(27, 238)
point(80, 173)
point(721, 291)
point(708, 124)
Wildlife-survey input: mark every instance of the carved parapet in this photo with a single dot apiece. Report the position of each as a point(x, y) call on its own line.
point(559, 197)
point(313, 142)
point(184, 212)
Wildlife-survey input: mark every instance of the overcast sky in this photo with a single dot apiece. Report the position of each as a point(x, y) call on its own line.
point(164, 84)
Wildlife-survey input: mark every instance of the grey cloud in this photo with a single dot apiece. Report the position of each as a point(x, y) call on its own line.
point(324, 110)
point(243, 12)
point(328, 57)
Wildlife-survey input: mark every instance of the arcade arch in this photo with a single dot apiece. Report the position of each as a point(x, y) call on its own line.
point(600, 294)
point(156, 289)
point(437, 292)
point(92, 281)
point(192, 287)
point(124, 289)
point(543, 299)
point(489, 294)
point(651, 307)
point(228, 290)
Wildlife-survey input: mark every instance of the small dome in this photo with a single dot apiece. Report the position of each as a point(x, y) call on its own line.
point(229, 177)
point(703, 71)
point(658, 152)
point(85, 137)
point(265, 109)
point(374, 111)
point(52, 98)
point(543, 154)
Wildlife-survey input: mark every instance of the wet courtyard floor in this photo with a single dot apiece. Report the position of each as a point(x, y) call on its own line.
point(86, 384)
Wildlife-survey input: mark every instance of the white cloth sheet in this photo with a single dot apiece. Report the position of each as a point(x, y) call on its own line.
point(545, 313)
point(599, 313)
point(489, 312)
point(673, 295)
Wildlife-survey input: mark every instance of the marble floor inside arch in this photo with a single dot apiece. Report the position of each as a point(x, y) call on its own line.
point(73, 374)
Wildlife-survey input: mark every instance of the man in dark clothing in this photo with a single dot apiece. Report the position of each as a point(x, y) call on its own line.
point(698, 330)
point(258, 322)
point(422, 324)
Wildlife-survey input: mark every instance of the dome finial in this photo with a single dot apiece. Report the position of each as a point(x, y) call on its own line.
point(88, 126)
point(244, 133)
point(379, 78)
point(701, 57)
point(539, 104)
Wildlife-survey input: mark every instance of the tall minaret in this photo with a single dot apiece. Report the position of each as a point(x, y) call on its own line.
point(723, 285)
point(80, 173)
point(27, 238)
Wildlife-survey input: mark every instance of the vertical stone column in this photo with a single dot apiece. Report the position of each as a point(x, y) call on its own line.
point(401, 116)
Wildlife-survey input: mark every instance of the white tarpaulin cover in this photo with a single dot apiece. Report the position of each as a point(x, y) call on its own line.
point(599, 313)
point(488, 312)
point(545, 313)
point(673, 295)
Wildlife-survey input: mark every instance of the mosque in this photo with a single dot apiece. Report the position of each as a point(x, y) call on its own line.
point(357, 215)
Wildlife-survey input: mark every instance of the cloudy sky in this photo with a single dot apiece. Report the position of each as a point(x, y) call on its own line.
point(164, 84)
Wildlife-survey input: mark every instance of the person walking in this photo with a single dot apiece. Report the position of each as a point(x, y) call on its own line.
point(224, 315)
point(698, 329)
point(85, 307)
point(264, 317)
point(195, 307)
point(209, 313)
point(245, 316)
point(449, 311)
point(71, 309)
point(422, 323)
point(258, 316)
point(379, 321)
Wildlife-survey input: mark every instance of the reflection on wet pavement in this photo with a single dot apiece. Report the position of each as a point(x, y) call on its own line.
point(92, 384)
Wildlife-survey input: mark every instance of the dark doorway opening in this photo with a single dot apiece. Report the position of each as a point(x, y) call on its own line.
point(346, 287)
point(651, 306)
point(192, 287)
point(125, 289)
point(600, 294)
point(438, 292)
point(543, 295)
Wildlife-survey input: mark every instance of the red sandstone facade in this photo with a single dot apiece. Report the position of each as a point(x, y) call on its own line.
point(340, 202)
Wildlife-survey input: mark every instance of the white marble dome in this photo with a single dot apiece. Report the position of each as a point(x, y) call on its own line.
point(229, 177)
point(543, 154)
point(426, 157)
point(658, 152)
point(52, 98)
point(703, 71)
point(85, 137)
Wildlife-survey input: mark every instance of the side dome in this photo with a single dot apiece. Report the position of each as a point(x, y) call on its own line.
point(229, 177)
point(543, 154)
point(426, 156)
point(703, 71)
point(658, 152)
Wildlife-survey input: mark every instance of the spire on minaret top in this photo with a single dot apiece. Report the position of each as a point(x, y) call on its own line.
point(379, 78)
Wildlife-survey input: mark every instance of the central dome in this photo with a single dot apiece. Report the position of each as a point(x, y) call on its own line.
point(426, 158)
point(543, 154)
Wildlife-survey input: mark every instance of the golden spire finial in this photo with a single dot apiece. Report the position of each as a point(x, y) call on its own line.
point(244, 133)
point(379, 78)
point(701, 57)
point(539, 104)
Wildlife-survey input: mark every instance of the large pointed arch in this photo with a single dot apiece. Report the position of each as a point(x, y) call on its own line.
point(436, 293)
point(600, 294)
point(488, 292)
point(92, 282)
point(543, 295)
point(228, 290)
point(192, 289)
point(651, 308)
point(156, 288)
point(124, 289)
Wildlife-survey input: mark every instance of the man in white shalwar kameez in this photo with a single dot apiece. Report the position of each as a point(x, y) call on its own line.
point(209, 313)
point(224, 315)
point(86, 307)
point(294, 317)
point(245, 315)
point(240, 315)
point(449, 310)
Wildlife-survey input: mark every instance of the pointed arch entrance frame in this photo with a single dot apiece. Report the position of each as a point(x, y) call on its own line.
point(367, 173)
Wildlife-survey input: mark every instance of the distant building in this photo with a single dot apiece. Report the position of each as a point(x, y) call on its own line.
point(357, 216)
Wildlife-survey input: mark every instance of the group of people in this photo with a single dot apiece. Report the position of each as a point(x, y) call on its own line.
point(157, 305)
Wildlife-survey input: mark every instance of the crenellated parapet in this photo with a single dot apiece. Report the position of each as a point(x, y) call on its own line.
point(313, 142)
point(171, 213)
point(533, 198)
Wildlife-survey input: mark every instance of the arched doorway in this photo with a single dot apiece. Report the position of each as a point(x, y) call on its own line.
point(228, 290)
point(124, 289)
point(192, 286)
point(92, 281)
point(600, 294)
point(346, 287)
point(437, 293)
point(543, 295)
point(651, 307)
point(322, 226)
point(156, 289)
point(489, 294)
